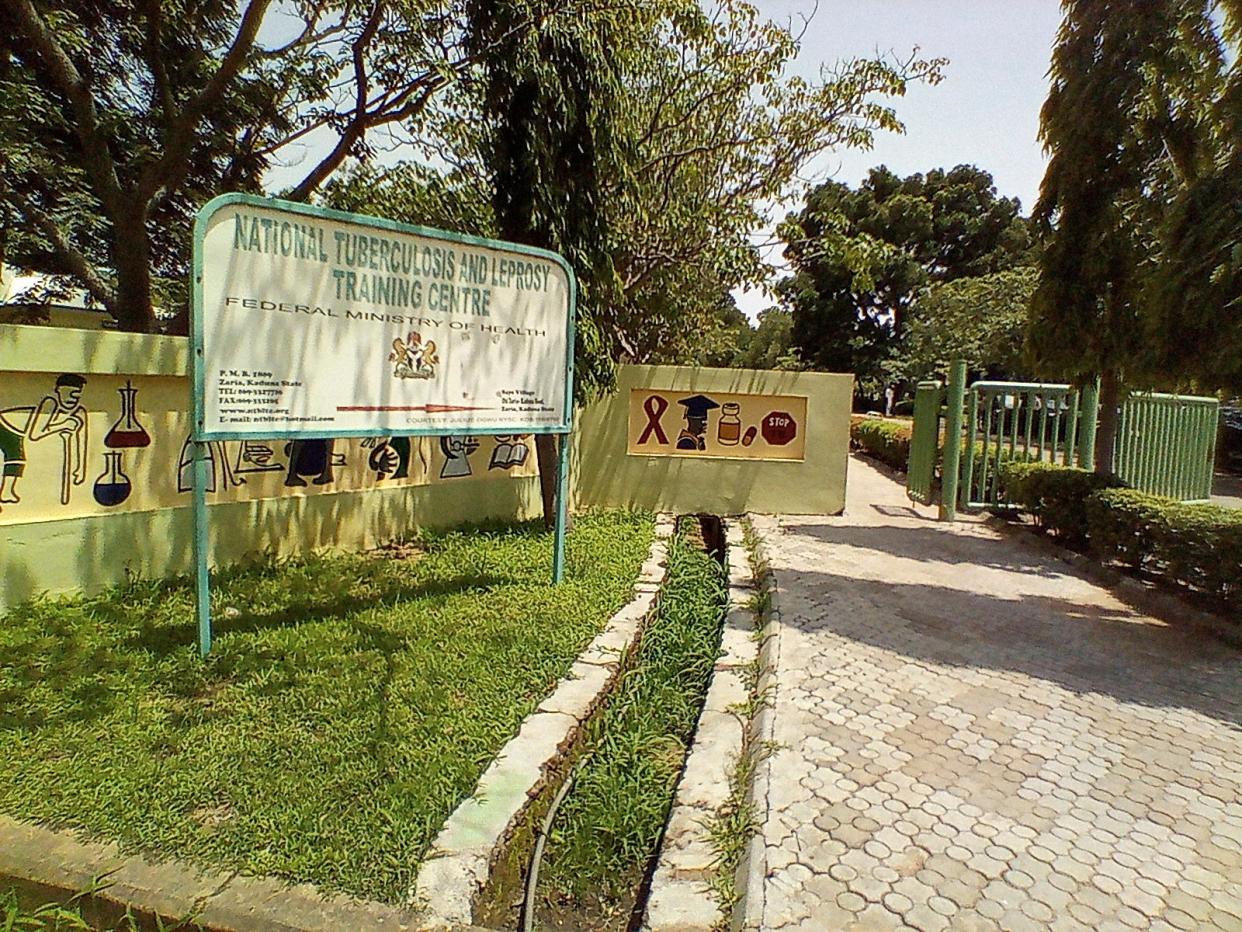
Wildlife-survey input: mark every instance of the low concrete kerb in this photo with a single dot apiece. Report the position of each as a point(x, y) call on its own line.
point(55, 865)
point(681, 898)
point(753, 868)
point(475, 838)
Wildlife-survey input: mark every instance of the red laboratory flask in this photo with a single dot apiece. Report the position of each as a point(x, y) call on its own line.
point(127, 433)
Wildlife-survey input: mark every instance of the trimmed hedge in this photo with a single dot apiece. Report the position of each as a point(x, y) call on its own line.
point(1197, 546)
point(1055, 496)
point(887, 441)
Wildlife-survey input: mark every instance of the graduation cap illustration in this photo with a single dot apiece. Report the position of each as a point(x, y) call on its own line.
point(697, 409)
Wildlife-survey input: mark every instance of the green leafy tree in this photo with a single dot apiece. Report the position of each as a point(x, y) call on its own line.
point(549, 96)
point(724, 336)
point(713, 131)
point(771, 346)
point(1126, 124)
point(861, 257)
point(1195, 291)
point(718, 130)
point(118, 119)
point(982, 320)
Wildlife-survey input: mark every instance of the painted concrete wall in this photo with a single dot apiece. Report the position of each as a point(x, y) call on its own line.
point(717, 480)
point(82, 506)
point(67, 524)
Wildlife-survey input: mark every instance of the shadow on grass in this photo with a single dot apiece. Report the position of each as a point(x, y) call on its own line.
point(94, 673)
point(163, 639)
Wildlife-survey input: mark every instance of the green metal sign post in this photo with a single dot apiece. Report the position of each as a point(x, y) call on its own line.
point(335, 312)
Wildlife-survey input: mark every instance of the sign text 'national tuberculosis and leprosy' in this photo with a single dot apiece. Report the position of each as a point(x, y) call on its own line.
point(326, 325)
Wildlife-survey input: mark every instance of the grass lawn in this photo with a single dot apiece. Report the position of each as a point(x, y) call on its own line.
point(607, 830)
point(18, 918)
point(349, 703)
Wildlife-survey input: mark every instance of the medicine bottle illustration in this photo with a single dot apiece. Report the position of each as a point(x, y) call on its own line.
point(729, 431)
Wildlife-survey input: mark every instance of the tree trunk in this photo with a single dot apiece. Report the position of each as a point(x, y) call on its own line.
point(131, 259)
point(1106, 435)
point(545, 452)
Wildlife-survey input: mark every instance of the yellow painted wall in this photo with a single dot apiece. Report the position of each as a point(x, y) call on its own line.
point(63, 533)
point(605, 474)
point(66, 525)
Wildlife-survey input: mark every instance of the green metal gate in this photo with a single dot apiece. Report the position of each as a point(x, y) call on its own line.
point(1166, 445)
point(1023, 422)
point(924, 442)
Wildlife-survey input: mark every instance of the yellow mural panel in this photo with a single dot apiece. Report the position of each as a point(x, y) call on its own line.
point(668, 422)
point(75, 445)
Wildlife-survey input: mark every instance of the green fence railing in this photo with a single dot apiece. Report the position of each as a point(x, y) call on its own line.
point(924, 442)
point(1021, 422)
point(1166, 444)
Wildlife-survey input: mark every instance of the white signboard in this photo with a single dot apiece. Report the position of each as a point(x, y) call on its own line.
point(315, 323)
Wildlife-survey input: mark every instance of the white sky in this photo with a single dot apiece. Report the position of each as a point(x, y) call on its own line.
point(985, 112)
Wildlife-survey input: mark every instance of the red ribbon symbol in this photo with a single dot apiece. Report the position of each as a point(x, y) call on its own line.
point(655, 406)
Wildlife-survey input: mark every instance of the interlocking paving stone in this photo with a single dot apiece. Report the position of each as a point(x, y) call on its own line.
point(968, 736)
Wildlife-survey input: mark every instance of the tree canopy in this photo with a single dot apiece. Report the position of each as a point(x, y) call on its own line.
point(1135, 125)
point(981, 319)
point(861, 257)
point(1195, 292)
point(118, 119)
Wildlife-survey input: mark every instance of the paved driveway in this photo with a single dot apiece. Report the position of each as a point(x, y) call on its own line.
point(1227, 490)
point(971, 737)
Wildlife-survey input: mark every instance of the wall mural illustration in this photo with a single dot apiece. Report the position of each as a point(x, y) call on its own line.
point(312, 459)
point(113, 486)
point(220, 473)
point(74, 445)
point(457, 452)
point(696, 414)
point(511, 450)
point(390, 457)
point(57, 414)
point(127, 433)
point(255, 456)
point(722, 424)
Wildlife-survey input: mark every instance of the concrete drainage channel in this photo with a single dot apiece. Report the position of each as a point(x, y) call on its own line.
point(476, 873)
point(485, 868)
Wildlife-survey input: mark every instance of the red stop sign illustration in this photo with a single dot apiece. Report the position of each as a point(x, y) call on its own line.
point(779, 428)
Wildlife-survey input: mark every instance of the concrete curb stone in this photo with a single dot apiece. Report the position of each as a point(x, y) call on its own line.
point(475, 838)
point(681, 898)
point(753, 869)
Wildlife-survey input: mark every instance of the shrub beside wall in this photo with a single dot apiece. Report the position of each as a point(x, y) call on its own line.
point(887, 441)
point(1198, 546)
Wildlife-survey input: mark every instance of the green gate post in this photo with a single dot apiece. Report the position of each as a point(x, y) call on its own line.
point(968, 466)
point(1090, 421)
point(952, 440)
